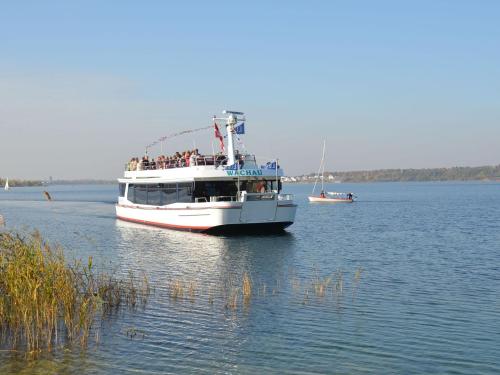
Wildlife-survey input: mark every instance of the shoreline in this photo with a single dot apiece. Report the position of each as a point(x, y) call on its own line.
point(488, 173)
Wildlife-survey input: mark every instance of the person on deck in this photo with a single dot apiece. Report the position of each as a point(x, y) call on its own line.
point(145, 163)
point(133, 164)
point(260, 187)
point(322, 194)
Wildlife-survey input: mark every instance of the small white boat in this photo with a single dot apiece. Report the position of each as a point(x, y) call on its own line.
point(329, 200)
point(332, 196)
point(6, 185)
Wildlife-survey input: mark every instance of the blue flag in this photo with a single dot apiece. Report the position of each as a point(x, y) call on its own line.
point(240, 128)
point(269, 165)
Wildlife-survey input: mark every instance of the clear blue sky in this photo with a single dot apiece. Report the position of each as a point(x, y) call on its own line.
point(390, 84)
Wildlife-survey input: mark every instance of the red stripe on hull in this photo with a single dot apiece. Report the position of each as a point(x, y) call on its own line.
point(163, 225)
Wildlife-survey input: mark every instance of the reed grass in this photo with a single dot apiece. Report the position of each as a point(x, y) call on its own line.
point(246, 288)
point(295, 282)
point(339, 282)
point(210, 296)
point(320, 285)
point(263, 289)
point(232, 302)
point(46, 302)
point(192, 291)
point(357, 275)
point(177, 289)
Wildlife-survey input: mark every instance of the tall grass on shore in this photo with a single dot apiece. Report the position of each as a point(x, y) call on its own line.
point(242, 291)
point(46, 302)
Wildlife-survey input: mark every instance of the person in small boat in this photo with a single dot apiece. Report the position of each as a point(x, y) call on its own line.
point(322, 194)
point(349, 196)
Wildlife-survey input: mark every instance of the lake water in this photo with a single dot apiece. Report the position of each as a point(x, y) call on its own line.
point(414, 288)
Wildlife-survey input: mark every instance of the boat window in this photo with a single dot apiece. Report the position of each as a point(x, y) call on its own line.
point(154, 195)
point(121, 189)
point(209, 189)
point(160, 194)
point(260, 186)
point(130, 193)
point(141, 194)
point(168, 194)
point(185, 192)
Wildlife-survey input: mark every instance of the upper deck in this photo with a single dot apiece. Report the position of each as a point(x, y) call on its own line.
point(205, 168)
point(229, 164)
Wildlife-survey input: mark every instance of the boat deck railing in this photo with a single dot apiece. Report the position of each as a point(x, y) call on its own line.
point(216, 160)
point(285, 197)
point(219, 198)
point(259, 196)
point(246, 197)
point(269, 195)
point(200, 160)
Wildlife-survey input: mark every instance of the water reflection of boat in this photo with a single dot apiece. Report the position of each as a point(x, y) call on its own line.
point(209, 261)
point(225, 192)
point(197, 256)
point(151, 247)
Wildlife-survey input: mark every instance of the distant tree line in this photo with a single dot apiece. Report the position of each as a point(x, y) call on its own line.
point(428, 174)
point(84, 182)
point(17, 183)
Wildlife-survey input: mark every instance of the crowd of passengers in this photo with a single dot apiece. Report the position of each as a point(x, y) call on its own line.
point(177, 160)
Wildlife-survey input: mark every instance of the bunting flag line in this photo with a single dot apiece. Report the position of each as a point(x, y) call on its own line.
point(176, 135)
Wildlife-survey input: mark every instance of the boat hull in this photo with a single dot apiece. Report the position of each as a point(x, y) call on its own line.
point(227, 217)
point(329, 200)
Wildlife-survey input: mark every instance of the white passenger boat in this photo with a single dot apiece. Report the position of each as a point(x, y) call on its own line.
point(227, 192)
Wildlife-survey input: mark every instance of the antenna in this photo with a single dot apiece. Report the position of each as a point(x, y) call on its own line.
point(226, 112)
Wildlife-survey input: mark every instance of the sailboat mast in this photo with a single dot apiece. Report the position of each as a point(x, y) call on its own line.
point(321, 167)
point(323, 171)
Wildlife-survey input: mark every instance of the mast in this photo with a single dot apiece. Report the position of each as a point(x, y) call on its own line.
point(231, 121)
point(321, 169)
